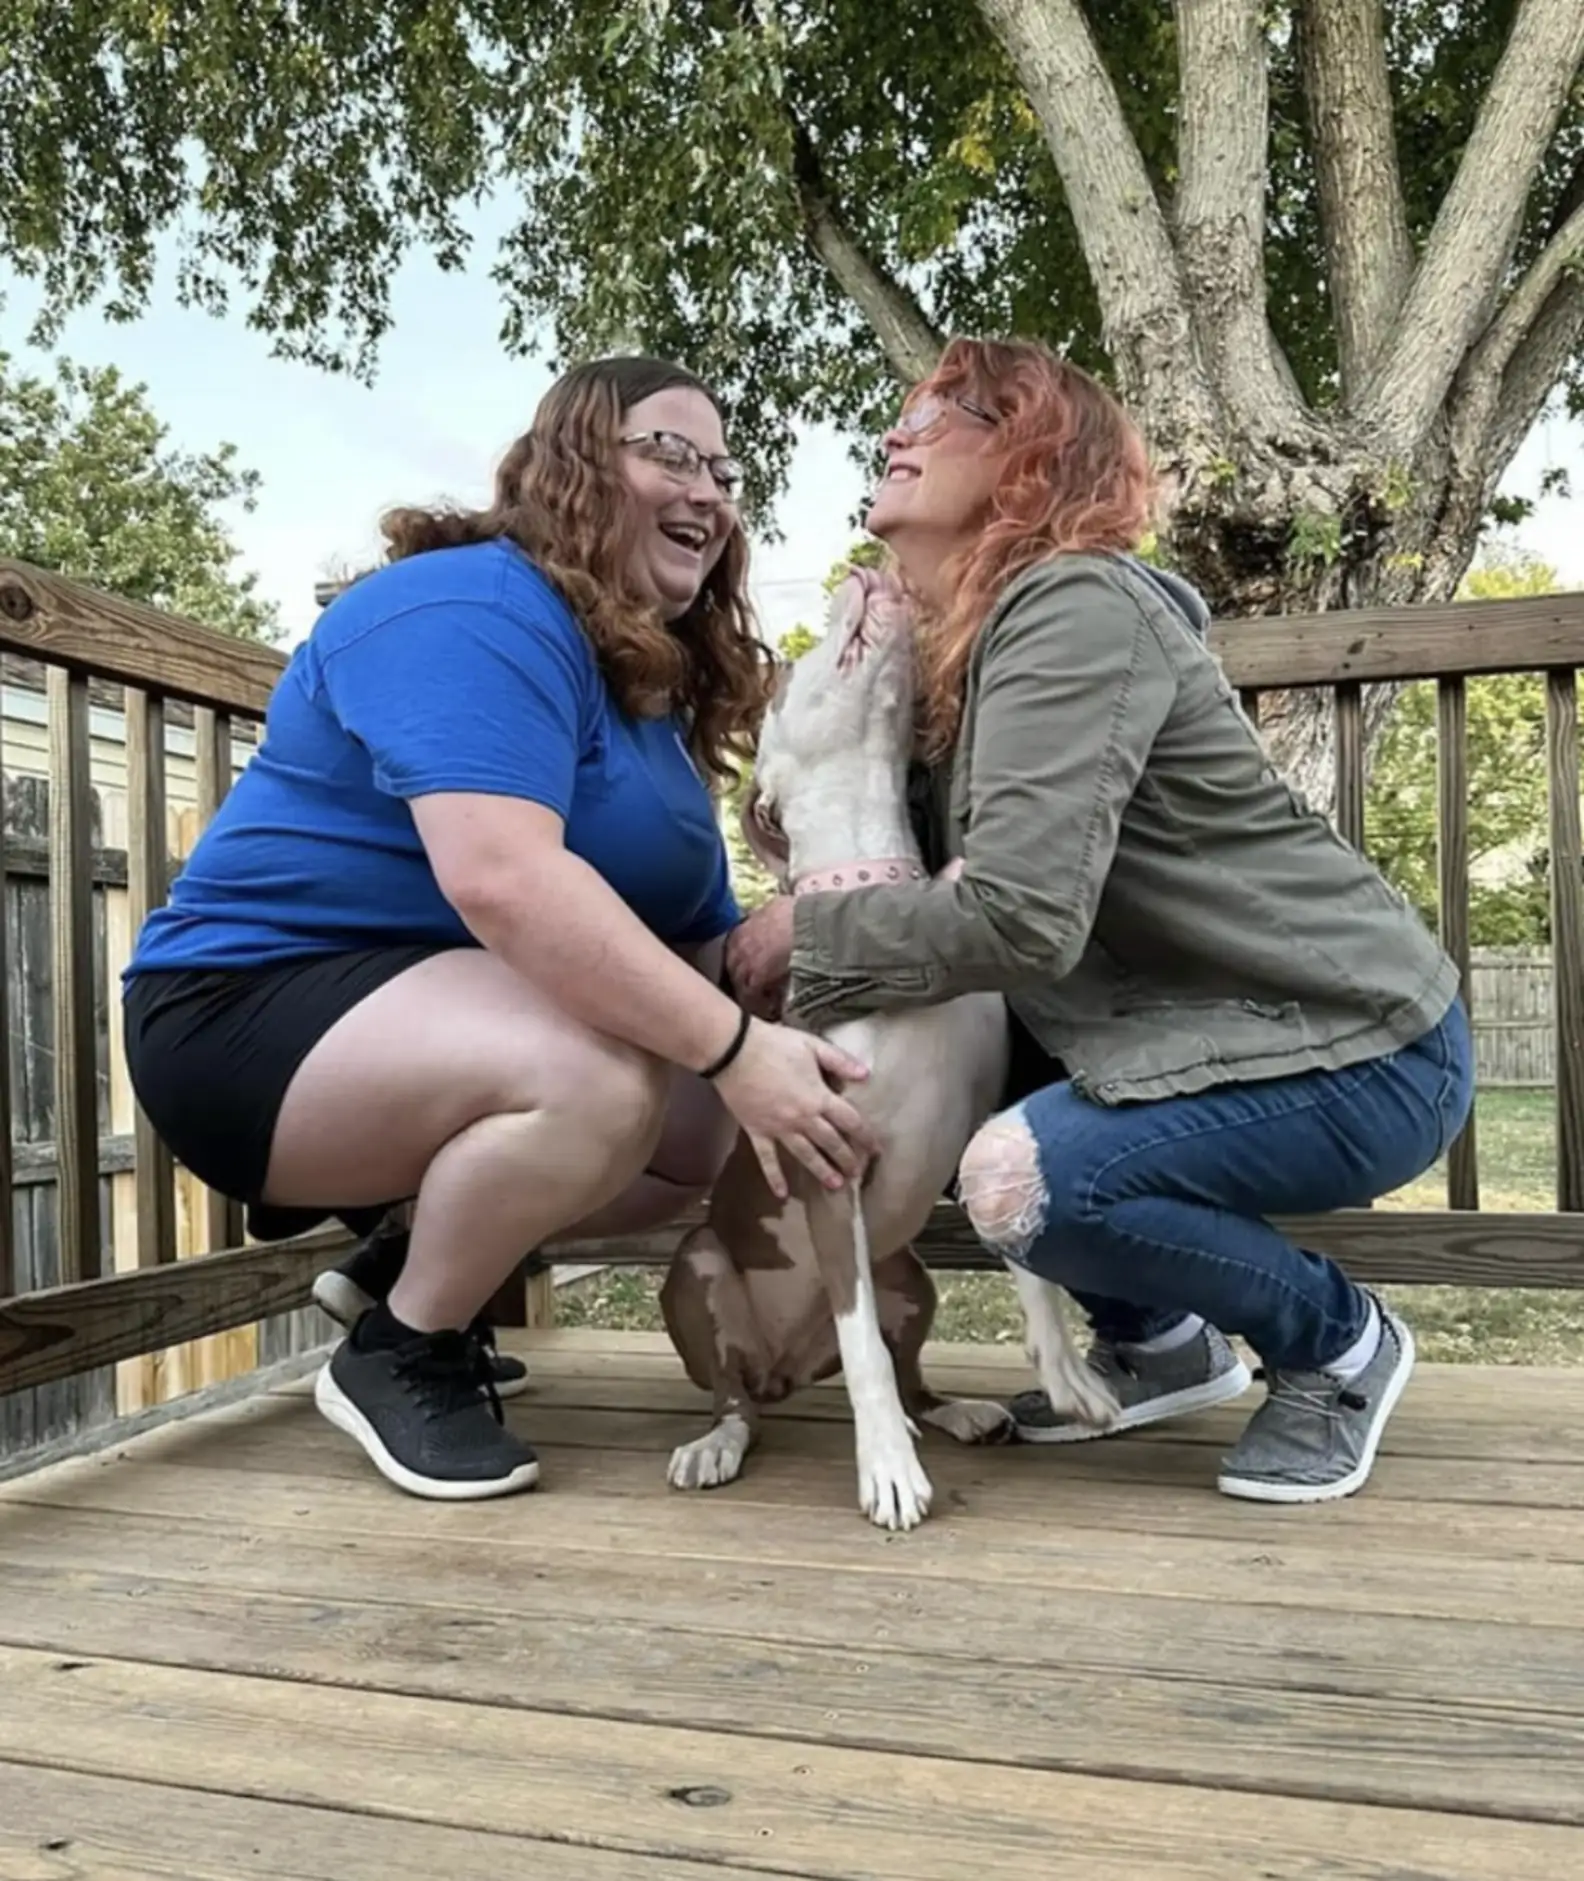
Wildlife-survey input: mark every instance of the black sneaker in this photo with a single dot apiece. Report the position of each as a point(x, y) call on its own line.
point(365, 1278)
point(427, 1417)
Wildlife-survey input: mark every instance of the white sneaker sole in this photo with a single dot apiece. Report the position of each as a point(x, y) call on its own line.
point(1218, 1390)
point(1254, 1489)
point(339, 1409)
point(346, 1303)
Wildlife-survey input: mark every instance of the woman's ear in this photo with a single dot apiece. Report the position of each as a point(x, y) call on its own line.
point(764, 834)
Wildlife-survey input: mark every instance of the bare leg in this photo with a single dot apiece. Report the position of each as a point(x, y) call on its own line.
point(459, 1083)
point(906, 1297)
point(712, 1326)
point(695, 1140)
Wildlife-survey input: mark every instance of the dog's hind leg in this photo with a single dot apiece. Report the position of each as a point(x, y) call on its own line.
point(906, 1294)
point(711, 1324)
point(893, 1490)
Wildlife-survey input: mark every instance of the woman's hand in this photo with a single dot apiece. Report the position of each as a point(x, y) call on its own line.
point(759, 956)
point(777, 1088)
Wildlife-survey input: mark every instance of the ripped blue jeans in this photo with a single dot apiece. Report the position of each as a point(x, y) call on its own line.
point(1147, 1212)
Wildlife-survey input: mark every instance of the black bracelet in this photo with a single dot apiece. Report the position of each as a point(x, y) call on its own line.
point(739, 1039)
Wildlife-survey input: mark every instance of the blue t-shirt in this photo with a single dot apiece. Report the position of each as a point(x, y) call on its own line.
point(457, 670)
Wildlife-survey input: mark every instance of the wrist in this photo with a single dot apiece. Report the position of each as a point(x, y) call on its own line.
point(729, 1053)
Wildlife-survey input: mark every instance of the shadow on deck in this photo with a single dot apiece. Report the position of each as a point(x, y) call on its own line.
point(228, 1650)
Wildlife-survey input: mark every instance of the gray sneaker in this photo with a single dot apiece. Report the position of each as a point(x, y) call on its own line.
point(1150, 1387)
point(1314, 1438)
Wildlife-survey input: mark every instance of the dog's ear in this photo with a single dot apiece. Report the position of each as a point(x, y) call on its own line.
point(763, 833)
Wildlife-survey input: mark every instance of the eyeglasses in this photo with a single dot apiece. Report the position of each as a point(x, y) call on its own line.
point(681, 458)
point(928, 412)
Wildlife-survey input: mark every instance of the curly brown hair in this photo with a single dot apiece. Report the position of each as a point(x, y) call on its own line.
point(560, 498)
point(1075, 477)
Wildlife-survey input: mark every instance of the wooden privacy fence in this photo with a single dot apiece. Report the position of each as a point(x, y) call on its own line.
point(134, 1296)
point(1511, 992)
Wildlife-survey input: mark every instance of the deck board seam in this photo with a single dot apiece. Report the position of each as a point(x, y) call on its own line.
point(861, 1743)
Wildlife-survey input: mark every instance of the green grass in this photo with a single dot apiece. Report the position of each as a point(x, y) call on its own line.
point(1516, 1132)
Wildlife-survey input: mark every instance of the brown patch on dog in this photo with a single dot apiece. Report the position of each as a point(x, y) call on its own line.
point(712, 1326)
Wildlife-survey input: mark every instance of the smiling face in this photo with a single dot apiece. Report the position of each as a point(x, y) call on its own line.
point(943, 461)
point(681, 514)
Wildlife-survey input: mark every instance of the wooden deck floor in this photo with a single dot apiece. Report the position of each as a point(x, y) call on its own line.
point(227, 1650)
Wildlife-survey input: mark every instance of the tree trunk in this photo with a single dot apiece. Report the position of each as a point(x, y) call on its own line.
point(1284, 532)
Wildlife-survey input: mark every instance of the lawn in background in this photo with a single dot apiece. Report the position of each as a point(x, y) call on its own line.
point(1516, 1132)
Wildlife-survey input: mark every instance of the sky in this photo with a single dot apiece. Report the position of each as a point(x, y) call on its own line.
point(333, 453)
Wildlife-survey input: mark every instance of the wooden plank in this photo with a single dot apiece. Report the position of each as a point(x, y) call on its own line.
point(45, 615)
point(1452, 870)
point(1393, 1629)
point(147, 889)
point(1348, 720)
point(51, 1336)
point(1272, 652)
point(626, 1787)
point(626, 1634)
point(29, 856)
point(36, 1163)
point(72, 625)
point(66, 1330)
point(809, 1462)
point(8, 1270)
point(212, 739)
point(1567, 931)
point(1387, 1246)
point(1028, 1518)
point(58, 1824)
point(1024, 1517)
point(71, 920)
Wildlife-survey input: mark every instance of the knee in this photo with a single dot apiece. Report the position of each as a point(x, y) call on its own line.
point(1002, 1187)
point(618, 1100)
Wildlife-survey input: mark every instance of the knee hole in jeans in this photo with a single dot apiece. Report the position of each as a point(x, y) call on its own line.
point(1001, 1186)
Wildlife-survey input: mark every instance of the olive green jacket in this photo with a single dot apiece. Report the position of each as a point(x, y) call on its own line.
point(1159, 907)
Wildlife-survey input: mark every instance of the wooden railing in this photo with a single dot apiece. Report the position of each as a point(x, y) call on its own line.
point(98, 1315)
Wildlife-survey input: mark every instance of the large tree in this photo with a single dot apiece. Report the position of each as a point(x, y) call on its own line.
point(1330, 257)
point(91, 486)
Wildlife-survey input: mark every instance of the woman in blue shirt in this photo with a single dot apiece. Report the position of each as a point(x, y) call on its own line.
point(456, 934)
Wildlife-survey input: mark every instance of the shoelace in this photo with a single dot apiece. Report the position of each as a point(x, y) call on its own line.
point(1328, 1399)
point(450, 1370)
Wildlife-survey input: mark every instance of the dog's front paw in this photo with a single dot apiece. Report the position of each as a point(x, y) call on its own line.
point(972, 1420)
point(712, 1460)
point(893, 1490)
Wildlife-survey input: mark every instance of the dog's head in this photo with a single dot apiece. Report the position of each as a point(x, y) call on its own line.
point(842, 715)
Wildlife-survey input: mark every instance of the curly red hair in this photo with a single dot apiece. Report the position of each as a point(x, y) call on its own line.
point(1075, 477)
point(559, 495)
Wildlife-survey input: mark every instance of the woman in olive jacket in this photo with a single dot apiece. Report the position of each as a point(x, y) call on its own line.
point(1221, 1011)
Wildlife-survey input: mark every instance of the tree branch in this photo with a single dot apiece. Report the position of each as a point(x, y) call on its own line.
point(906, 337)
point(1532, 373)
point(1363, 220)
point(1224, 118)
point(1497, 390)
point(909, 341)
point(1223, 115)
point(1471, 245)
point(1145, 321)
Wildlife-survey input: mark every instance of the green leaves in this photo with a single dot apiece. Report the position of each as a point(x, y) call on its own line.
point(89, 487)
point(1508, 898)
point(659, 152)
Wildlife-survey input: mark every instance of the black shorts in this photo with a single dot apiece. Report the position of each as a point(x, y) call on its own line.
point(211, 1053)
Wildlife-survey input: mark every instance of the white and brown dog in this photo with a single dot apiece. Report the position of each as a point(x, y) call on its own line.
point(767, 1296)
